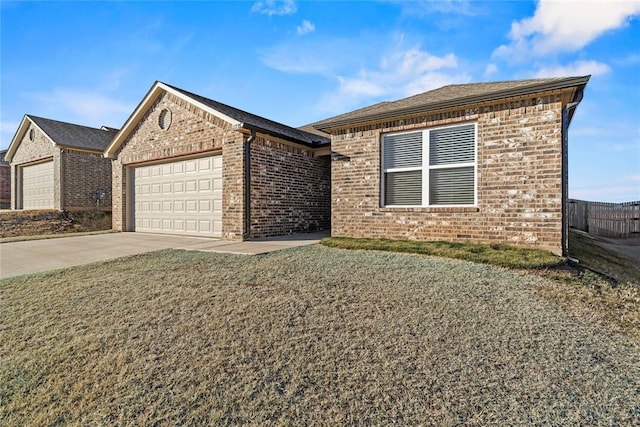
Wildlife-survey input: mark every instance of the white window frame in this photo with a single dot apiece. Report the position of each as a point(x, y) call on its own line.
point(426, 168)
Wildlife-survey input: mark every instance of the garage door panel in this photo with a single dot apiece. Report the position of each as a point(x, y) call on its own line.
point(205, 205)
point(183, 197)
point(37, 186)
point(191, 166)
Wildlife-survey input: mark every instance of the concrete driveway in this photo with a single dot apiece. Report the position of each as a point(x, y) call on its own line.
point(34, 256)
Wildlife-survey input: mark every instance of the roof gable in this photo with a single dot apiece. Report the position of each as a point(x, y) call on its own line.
point(450, 96)
point(62, 134)
point(237, 118)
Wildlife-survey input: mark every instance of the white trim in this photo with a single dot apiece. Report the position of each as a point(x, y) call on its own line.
point(142, 108)
point(20, 134)
point(426, 168)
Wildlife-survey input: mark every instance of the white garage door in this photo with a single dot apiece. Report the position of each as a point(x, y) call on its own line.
point(182, 197)
point(37, 186)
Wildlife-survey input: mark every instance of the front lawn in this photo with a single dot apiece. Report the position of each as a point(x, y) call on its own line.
point(308, 336)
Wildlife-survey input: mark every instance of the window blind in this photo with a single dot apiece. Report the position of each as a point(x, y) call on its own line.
point(452, 145)
point(403, 188)
point(403, 150)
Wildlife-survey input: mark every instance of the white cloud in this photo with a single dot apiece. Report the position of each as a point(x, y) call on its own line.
point(578, 68)
point(566, 25)
point(615, 193)
point(9, 126)
point(322, 56)
point(305, 28)
point(490, 70)
point(275, 7)
point(365, 70)
point(290, 60)
point(7, 131)
point(448, 7)
point(630, 59)
point(399, 74)
point(85, 108)
point(402, 73)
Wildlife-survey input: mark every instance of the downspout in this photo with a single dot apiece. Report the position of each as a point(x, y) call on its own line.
point(567, 115)
point(246, 234)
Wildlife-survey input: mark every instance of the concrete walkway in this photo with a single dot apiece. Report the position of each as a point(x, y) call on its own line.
point(34, 256)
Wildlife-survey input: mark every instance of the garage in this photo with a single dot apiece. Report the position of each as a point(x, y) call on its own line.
point(179, 197)
point(37, 186)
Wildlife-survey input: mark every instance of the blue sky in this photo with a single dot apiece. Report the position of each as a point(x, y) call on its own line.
point(298, 62)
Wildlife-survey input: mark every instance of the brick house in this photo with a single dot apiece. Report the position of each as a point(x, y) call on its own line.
point(59, 165)
point(483, 162)
point(5, 181)
point(185, 164)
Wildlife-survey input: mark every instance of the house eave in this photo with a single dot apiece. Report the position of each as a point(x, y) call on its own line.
point(17, 138)
point(579, 82)
point(321, 142)
point(156, 90)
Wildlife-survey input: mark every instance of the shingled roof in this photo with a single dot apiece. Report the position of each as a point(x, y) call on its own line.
point(63, 134)
point(237, 118)
point(259, 123)
point(74, 136)
point(448, 97)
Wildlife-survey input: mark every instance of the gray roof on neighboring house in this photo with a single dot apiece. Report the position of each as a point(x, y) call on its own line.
point(258, 123)
point(74, 136)
point(450, 96)
point(3, 161)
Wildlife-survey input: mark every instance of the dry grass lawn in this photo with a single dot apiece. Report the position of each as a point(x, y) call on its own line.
point(309, 336)
point(23, 223)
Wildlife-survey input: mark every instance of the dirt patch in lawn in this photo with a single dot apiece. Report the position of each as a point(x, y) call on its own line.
point(48, 222)
point(309, 336)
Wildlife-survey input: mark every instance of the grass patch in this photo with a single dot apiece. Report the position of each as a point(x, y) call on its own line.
point(494, 254)
point(307, 336)
point(573, 289)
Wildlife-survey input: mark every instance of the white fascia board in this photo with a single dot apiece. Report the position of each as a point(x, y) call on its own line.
point(144, 106)
point(202, 106)
point(133, 119)
point(22, 130)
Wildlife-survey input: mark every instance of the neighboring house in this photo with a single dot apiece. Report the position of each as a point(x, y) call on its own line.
point(483, 162)
point(185, 164)
point(58, 165)
point(5, 182)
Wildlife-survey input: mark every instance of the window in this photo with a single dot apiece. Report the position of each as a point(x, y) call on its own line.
point(164, 121)
point(431, 167)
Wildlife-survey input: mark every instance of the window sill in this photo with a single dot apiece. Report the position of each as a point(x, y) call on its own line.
point(432, 209)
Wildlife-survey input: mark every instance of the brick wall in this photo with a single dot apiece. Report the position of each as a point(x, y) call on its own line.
point(192, 132)
point(5, 186)
point(290, 190)
point(519, 179)
point(29, 151)
point(82, 174)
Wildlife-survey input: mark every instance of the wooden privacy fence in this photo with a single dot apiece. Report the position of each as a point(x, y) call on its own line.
point(605, 219)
